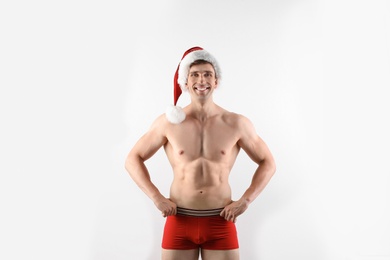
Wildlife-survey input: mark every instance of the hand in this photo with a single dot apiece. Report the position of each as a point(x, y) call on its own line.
point(166, 206)
point(233, 210)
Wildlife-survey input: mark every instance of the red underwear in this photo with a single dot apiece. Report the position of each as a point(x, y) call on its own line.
point(193, 229)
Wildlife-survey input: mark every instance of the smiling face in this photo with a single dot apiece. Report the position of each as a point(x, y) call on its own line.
point(201, 80)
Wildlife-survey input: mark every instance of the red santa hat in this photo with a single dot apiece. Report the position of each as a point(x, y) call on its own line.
point(175, 114)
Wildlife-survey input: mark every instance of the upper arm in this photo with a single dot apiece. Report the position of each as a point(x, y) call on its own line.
point(251, 143)
point(151, 141)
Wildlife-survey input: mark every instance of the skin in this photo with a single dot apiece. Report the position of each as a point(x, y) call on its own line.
point(202, 151)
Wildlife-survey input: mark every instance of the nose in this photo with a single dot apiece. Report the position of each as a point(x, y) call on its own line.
point(201, 78)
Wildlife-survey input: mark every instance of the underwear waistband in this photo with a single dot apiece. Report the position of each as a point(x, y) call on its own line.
point(199, 212)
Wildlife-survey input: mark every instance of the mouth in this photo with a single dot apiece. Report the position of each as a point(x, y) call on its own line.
point(202, 88)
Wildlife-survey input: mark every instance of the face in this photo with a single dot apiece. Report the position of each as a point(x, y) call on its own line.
point(201, 80)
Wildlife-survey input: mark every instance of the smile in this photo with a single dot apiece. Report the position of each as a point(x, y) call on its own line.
point(202, 88)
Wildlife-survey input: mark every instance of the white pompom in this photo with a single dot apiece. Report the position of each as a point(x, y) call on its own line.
point(175, 114)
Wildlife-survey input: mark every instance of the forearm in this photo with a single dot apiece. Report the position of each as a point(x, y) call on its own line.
point(260, 179)
point(137, 170)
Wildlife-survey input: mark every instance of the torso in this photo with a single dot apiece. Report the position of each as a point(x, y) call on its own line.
point(202, 155)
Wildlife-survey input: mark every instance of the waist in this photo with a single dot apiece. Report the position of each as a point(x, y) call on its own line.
point(190, 197)
point(199, 212)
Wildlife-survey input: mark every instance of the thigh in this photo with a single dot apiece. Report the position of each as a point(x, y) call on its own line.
point(220, 254)
point(219, 234)
point(169, 254)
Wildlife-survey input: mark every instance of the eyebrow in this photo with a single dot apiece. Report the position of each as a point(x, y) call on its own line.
point(198, 71)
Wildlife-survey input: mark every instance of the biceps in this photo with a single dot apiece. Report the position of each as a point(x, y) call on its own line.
point(256, 149)
point(148, 145)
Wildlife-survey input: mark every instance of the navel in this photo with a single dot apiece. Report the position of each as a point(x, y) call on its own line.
point(181, 152)
point(201, 192)
point(223, 152)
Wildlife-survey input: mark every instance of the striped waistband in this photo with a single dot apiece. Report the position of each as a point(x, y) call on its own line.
point(199, 212)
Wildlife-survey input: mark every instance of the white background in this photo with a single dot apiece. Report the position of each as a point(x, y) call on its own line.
point(81, 81)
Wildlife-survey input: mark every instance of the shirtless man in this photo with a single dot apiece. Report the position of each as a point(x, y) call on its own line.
point(201, 142)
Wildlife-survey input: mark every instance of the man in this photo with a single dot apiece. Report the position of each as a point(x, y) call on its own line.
point(201, 142)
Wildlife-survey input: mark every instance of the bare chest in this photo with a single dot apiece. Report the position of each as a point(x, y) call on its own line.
point(213, 141)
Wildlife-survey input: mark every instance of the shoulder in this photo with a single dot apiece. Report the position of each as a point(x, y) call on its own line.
point(242, 126)
point(160, 124)
point(236, 120)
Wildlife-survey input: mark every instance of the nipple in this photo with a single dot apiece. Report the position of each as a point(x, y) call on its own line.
point(223, 152)
point(181, 152)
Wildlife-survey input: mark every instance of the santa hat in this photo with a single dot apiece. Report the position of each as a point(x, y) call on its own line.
point(175, 114)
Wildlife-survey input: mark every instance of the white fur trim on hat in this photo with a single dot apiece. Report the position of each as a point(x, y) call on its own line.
point(184, 67)
point(175, 114)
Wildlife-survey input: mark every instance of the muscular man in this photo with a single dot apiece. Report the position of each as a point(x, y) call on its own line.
point(201, 142)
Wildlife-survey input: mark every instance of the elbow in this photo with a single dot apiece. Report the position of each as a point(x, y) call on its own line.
point(128, 167)
point(130, 161)
point(134, 163)
point(273, 170)
point(127, 164)
point(271, 167)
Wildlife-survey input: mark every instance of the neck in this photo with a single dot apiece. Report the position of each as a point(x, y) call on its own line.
point(203, 110)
